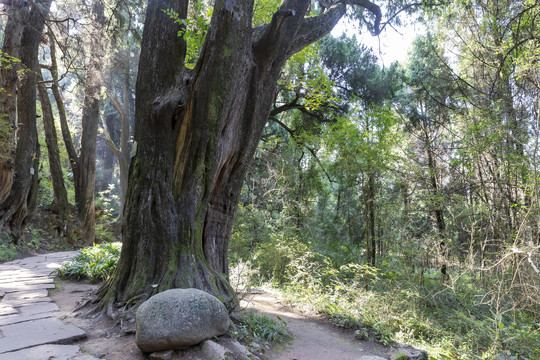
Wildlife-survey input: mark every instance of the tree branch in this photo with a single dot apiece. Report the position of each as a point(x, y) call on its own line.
point(272, 39)
point(314, 28)
point(372, 8)
point(299, 142)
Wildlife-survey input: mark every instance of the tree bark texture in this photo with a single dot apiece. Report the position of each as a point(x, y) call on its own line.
point(120, 152)
point(196, 132)
point(85, 180)
point(104, 151)
point(55, 87)
point(60, 204)
point(21, 40)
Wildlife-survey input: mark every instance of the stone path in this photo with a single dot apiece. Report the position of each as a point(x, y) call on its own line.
point(29, 324)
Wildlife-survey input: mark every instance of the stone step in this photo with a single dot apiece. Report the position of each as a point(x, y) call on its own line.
point(56, 352)
point(31, 312)
point(37, 332)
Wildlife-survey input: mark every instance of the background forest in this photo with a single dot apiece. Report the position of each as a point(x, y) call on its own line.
point(401, 200)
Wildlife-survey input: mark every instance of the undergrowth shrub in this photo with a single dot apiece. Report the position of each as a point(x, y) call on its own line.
point(94, 263)
point(8, 251)
point(273, 259)
point(261, 328)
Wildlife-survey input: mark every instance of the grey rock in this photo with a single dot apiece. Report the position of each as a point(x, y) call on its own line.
point(213, 351)
point(240, 351)
point(371, 357)
point(408, 353)
point(179, 318)
point(162, 355)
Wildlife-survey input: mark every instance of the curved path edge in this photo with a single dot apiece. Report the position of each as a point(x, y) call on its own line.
point(29, 325)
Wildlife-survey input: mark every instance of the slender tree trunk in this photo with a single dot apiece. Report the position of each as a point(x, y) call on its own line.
point(196, 132)
point(121, 153)
point(371, 214)
point(124, 135)
point(85, 182)
point(83, 165)
point(107, 155)
point(60, 203)
point(66, 134)
point(437, 203)
point(21, 40)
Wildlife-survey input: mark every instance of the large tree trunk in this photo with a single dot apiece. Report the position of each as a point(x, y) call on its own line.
point(21, 40)
point(60, 203)
point(195, 133)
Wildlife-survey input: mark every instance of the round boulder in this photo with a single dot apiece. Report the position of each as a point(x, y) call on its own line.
point(179, 318)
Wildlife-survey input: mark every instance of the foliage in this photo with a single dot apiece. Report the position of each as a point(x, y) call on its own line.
point(8, 250)
point(260, 328)
point(94, 263)
point(451, 204)
point(193, 30)
point(264, 10)
point(7, 61)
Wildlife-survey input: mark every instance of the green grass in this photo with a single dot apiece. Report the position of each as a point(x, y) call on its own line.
point(94, 263)
point(8, 252)
point(253, 327)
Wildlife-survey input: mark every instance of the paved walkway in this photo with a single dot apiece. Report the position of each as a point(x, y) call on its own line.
point(29, 324)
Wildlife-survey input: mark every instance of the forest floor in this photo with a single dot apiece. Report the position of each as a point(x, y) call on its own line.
point(314, 338)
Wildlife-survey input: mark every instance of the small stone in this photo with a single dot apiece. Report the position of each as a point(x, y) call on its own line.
point(399, 356)
point(162, 355)
point(213, 351)
point(408, 353)
point(100, 333)
point(241, 352)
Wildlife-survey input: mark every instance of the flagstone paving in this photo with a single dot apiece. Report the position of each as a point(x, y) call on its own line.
point(29, 324)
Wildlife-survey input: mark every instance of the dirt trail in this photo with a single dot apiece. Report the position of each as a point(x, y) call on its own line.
point(313, 337)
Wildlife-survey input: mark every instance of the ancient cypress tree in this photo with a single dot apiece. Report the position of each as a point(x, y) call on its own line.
point(196, 132)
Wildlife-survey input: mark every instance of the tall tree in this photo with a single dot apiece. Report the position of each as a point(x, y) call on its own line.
point(60, 203)
point(427, 104)
point(83, 164)
point(196, 132)
point(85, 182)
point(22, 36)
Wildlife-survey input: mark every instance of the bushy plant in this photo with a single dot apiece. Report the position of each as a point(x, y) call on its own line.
point(261, 328)
point(273, 258)
point(8, 251)
point(93, 263)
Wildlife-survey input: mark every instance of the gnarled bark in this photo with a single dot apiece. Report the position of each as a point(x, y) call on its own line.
point(196, 132)
point(18, 101)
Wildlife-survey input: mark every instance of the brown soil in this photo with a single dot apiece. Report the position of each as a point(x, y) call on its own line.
point(313, 337)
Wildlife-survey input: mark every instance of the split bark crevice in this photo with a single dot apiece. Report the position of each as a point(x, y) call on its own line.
point(196, 132)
